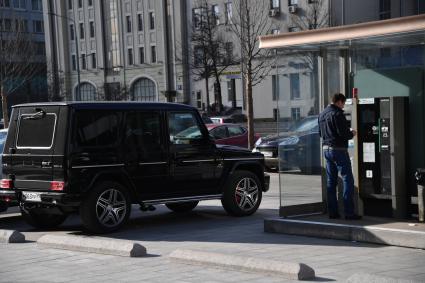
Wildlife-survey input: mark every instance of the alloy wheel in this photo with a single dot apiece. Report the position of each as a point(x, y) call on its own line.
point(246, 194)
point(111, 208)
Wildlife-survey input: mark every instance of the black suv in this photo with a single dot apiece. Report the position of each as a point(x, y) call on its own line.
point(99, 158)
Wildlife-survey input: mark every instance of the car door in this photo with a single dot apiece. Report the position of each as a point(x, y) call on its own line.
point(192, 155)
point(145, 154)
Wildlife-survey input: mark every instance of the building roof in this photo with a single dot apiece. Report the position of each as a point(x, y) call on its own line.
point(312, 39)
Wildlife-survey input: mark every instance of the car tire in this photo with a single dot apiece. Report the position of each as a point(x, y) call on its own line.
point(42, 220)
point(106, 207)
point(182, 206)
point(242, 194)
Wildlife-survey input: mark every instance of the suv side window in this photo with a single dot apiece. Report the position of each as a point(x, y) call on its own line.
point(143, 134)
point(96, 128)
point(183, 128)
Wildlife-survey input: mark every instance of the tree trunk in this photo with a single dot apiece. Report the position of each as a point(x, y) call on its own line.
point(250, 109)
point(4, 108)
point(208, 96)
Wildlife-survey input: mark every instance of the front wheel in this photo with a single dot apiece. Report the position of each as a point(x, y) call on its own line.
point(242, 194)
point(182, 206)
point(106, 208)
point(42, 220)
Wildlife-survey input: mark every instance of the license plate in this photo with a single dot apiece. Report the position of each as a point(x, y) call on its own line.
point(267, 153)
point(32, 196)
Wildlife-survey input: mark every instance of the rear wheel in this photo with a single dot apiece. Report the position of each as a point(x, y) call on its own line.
point(106, 208)
point(182, 206)
point(42, 220)
point(242, 194)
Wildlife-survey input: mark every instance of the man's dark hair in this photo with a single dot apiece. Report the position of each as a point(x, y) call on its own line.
point(338, 97)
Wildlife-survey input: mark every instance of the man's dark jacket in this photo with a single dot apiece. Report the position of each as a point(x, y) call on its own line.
point(333, 127)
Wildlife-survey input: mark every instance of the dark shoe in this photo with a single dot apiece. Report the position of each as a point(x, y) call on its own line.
point(353, 217)
point(334, 216)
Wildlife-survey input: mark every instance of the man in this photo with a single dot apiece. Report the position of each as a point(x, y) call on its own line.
point(334, 130)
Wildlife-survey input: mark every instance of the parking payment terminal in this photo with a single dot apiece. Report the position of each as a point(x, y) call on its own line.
point(381, 155)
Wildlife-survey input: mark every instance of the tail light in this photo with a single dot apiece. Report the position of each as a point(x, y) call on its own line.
point(57, 185)
point(6, 184)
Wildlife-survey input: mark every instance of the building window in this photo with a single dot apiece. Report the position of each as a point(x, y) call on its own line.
point(90, 3)
point(74, 62)
point(81, 30)
point(294, 80)
point(19, 4)
point(293, 29)
point(141, 55)
point(153, 54)
point(128, 20)
point(197, 18)
point(93, 60)
point(71, 32)
point(36, 5)
point(70, 4)
point(87, 92)
point(83, 62)
point(216, 13)
point(275, 31)
point(4, 3)
point(199, 99)
point(384, 9)
point(91, 29)
point(275, 4)
point(275, 114)
point(37, 26)
point(229, 52)
point(130, 56)
point(80, 3)
point(199, 54)
point(139, 22)
point(229, 13)
point(7, 24)
point(151, 20)
point(275, 87)
point(143, 90)
point(295, 114)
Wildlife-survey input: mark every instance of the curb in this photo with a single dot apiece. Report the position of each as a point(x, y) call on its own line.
point(370, 278)
point(92, 245)
point(366, 234)
point(11, 236)
point(288, 270)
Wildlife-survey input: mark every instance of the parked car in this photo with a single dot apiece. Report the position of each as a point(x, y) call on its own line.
point(299, 148)
point(99, 158)
point(222, 120)
point(230, 134)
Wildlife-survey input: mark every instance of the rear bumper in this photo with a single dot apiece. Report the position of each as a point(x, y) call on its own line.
point(46, 198)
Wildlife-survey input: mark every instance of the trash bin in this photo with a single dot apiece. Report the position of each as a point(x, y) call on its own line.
point(420, 181)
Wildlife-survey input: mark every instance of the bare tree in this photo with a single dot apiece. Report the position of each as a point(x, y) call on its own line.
point(211, 55)
point(18, 58)
point(249, 21)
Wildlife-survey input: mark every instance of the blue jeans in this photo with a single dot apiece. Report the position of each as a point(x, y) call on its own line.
point(338, 160)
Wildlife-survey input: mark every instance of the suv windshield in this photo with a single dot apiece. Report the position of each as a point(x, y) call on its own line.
point(43, 124)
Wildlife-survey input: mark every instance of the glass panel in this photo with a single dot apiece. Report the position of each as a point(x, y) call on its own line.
point(96, 129)
point(41, 123)
point(397, 71)
point(183, 128)
point(295, 150)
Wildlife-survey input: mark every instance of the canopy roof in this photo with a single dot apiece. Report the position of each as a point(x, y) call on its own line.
point(385, 33)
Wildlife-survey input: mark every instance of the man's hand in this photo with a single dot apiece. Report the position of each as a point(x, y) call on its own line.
point(354, 132)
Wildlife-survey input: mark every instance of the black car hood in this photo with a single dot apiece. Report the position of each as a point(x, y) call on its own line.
point(273, 140)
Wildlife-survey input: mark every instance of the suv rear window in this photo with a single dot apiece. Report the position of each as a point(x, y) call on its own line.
point(36, 130)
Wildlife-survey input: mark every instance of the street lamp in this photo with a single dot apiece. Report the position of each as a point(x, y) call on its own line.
point(76, 49)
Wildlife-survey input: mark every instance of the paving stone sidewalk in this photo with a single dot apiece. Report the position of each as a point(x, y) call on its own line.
point(207, 228)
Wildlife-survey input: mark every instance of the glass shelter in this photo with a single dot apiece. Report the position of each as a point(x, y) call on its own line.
point(384, 59)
